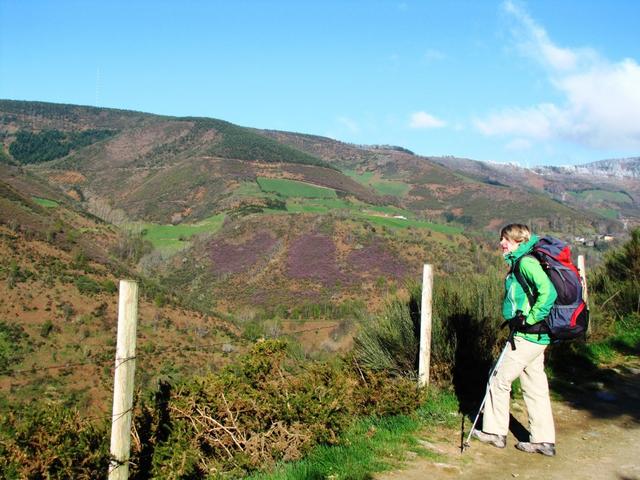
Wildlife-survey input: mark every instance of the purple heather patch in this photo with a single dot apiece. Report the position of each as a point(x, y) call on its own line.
point(231, 258)
point(313, 257)
point(376, 260)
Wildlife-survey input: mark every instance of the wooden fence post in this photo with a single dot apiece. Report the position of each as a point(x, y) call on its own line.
point(425, 326)
point(585, 292)
point(123, 381)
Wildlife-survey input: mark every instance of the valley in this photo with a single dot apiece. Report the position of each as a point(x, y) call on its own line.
point(258, 226)
point(237, 235)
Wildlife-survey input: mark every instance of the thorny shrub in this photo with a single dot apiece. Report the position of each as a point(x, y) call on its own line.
point(270, 406)
point(49, 441)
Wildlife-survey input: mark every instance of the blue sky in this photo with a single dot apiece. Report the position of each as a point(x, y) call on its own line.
point(537, 82)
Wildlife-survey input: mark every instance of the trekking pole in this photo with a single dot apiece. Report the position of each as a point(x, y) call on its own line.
point(494, 372)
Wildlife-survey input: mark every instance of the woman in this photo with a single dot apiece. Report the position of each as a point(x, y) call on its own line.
point(527, 359)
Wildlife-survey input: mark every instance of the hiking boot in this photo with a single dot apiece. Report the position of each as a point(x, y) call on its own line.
point(548, 449)
point(496, 440)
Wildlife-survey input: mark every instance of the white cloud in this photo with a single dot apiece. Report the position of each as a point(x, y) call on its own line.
point(534, 122)
point(518, 145)
point(534, 41)
point(601, 99)
point(351, 124)
point(604, 104)
point(425, 120)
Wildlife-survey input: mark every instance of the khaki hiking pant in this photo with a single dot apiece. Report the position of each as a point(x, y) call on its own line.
point(526, 362)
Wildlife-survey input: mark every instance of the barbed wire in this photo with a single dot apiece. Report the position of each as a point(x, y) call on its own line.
point(34, 369)
point(121, 361)
point(124, 360)
point(97, 362)
point(112, 417)
point(185, 348)
point(310, 330)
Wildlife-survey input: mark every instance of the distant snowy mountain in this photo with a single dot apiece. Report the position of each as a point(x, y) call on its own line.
point(618, 168)
point(610, 188)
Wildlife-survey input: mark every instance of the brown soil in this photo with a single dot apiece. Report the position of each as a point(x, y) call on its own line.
point(136, 142)
point(67, 177)
point(75, 355)
point(320, 335)
point(598, 436)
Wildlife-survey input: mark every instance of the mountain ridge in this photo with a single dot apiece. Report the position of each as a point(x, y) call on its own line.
point(628, 167)
point(38, 111)
point(140, 153)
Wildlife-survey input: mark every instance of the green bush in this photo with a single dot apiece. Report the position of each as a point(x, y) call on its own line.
point(160, 299)
point(87, 285)
point(617, 282)
point(390, 342)
point(614, 288)
point(50, 441)
point(465, 320)
point(46, 328)
point(109, 286)
point(269, 407)
point(73, 235)
point(253, 331)
point(14, 344)
point(80, 260)
point(16, 274)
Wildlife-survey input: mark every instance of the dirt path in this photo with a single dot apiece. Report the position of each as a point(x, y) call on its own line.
point(598, 437)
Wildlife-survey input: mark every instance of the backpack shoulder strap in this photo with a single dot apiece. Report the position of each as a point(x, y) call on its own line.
point(523, 282)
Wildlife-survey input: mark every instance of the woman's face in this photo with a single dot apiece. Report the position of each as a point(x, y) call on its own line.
point(507, 245)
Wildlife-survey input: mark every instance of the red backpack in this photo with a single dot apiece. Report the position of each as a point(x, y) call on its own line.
point(569, 317)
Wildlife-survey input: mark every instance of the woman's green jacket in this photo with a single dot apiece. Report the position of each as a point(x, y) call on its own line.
point(516, 299)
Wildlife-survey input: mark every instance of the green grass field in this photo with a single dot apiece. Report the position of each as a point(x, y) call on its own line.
point(45, 202)
point(292, 188)
point(318, 205)
point(170, 239)
point(602, 196)
point(300, 198)
point(379, 215)
point(401, 223)
point(385, 187)
point(364, 178)
point(388, 210)
point(249, 189)
point(607, 212)
point(325, 205)
point(389, 187)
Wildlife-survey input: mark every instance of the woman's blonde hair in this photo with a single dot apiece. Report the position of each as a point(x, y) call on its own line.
point(516, 232)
